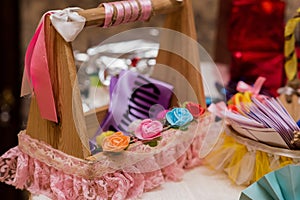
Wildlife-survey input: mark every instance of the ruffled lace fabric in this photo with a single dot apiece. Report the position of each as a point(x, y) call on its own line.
point(40, 169)
point(245, 161)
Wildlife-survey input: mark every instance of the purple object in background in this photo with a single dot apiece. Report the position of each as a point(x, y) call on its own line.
point(134, 96)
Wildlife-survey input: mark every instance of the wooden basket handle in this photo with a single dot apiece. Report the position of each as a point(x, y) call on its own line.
point(69, 135)
point(96, 16)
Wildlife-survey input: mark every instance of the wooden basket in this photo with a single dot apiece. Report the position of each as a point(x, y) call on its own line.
point(47, 147)
point(63, 75)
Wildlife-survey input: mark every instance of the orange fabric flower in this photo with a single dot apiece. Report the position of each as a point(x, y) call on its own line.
point(100, 138)
point(115, 142)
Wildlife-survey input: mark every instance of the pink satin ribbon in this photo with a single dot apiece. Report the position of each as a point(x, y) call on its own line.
point(126, 11)
point(146, 10)
point(134, 10)
point(220, 109)
point(254, 90)
point(36, 71)
point(109, 11)
point(120, 13)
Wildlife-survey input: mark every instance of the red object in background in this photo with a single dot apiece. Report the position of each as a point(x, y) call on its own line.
point(134, 61)
point(247, 66)
point(256, 40)
point(256, 25)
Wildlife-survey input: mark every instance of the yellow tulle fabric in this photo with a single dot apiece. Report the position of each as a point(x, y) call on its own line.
point(245, 161)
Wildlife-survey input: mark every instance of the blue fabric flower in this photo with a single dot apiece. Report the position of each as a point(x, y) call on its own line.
point(179, 117)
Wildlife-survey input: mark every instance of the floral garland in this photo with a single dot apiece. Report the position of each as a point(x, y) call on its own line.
point(149, 131)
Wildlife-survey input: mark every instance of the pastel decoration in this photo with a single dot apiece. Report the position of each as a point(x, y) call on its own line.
point(134, 10)
point(119, 14)
point(37, 73)
point(146, 10)
point(282, 183)
point(127, 104)
point(179, 117)
point(195, 109)
point(109, 11)
point(68, 23)
point(127, 11)
point(255, 89)
point(242, 86)
point(240, 98)
point(116, 142)
point(148, 129)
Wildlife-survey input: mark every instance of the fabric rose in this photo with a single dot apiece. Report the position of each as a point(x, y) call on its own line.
point(100, 138)
point(195, 109)
point(115, 142)
point(148, 129)
point(179, 117)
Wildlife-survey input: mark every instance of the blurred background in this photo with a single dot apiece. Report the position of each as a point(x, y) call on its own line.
point(19, 18)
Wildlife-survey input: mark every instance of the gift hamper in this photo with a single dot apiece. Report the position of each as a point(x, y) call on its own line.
point(53, 157)
point(262, 133)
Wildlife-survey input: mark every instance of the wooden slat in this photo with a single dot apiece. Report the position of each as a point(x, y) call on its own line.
point(69, 135)
point(178, 57)
point(93, 118)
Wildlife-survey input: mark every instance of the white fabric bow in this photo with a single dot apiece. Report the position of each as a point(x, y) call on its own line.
point(68, 23)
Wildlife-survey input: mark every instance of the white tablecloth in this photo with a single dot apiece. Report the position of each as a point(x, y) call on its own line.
point(197, 184)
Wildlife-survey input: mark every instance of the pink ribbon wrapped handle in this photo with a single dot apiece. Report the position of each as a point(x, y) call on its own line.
point(134, 10)
point(120, 12)
point(109, 11)
point(146, 10)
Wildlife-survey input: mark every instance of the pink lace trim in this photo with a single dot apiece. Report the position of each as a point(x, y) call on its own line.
point(40, 169)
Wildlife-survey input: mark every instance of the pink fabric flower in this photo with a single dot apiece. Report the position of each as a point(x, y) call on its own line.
point(148, 129)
